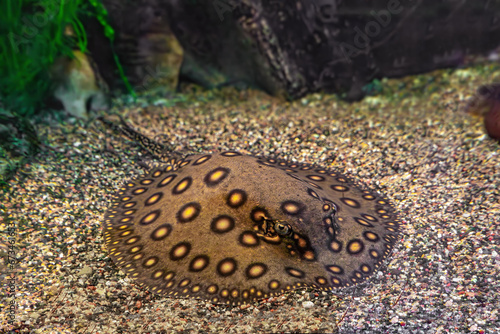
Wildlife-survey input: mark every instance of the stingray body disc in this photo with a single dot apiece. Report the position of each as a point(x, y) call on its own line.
point(231, 228)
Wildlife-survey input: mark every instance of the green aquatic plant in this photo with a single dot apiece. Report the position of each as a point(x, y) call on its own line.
point(97, 10)
point(32, 36)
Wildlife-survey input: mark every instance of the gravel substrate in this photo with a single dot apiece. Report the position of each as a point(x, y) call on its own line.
point(413, 142)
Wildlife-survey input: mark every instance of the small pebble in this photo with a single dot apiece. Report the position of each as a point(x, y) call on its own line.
point(307, 304)
point(85, 271)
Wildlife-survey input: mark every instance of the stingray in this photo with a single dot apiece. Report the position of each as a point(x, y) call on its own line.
point(233, 228)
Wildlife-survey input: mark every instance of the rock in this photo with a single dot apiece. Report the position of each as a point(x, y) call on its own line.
point(78, 85)
point(307, 304)
point(85, 271)
point(148, 51)
point(292, 48)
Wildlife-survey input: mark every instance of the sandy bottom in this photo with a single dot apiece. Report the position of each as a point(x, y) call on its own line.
point(413, 142)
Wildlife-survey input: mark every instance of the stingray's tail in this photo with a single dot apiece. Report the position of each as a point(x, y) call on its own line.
point(156, 149)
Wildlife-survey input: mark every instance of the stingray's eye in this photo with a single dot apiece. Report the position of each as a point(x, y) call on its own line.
point(282, 229)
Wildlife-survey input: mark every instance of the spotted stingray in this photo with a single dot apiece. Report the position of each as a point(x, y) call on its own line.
point(233, 228)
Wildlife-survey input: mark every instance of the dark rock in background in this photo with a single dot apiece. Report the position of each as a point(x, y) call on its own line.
point(144, 44)
point(292, 48)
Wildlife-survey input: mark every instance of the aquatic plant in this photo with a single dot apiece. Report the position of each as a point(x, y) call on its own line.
point(32, 36)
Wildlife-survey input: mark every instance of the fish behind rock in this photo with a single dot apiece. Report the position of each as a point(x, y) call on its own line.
point(486, 103)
